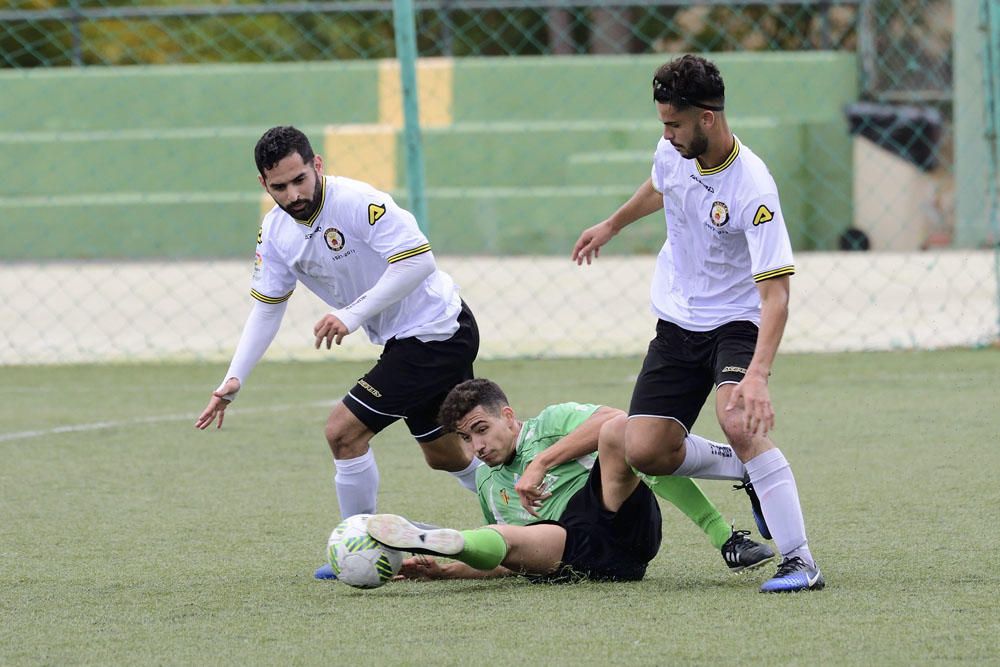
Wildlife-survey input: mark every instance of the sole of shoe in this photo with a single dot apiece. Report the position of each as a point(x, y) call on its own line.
point(397, 533)
point(740, 569)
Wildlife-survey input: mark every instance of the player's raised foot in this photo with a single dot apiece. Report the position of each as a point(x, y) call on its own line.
point(794, 575)
point(324, 571)
point(398, 533)
point(741, 553)
point(758, 514)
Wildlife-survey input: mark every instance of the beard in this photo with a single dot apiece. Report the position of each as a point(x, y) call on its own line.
point(699, 144)
point(304, 209)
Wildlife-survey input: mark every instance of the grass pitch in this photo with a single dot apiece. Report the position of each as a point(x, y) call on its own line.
point(128, 537)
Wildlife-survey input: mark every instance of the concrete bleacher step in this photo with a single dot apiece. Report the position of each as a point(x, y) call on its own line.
point(632, 166)
point(531, 153)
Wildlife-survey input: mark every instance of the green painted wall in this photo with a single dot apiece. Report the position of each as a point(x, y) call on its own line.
point(157, 161)
point(202, 96)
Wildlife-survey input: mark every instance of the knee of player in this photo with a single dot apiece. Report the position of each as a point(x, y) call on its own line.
point(641, 456)
point(736, 432)
point(613, 432)
point(343, 444)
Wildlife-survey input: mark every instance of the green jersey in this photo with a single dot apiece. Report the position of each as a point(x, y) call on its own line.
point(500, 503)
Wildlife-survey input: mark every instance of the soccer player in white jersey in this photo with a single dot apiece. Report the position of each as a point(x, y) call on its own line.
point(363, 255)
point(720, 291)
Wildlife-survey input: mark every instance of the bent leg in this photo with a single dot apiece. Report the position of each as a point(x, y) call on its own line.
point(447, 453)
point(685, 495)
point(654, 445)
point(618, 480)
point(357, 476)
point(772, 479)
point(535, 549)
point(451, 454)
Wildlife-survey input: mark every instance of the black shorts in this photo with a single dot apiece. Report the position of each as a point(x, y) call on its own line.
point(411, 379)
point(603, 545)
point(682, 366)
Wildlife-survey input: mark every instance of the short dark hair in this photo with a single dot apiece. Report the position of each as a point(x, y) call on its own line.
point(278, 143)
point(464, 398)
point(690, 81)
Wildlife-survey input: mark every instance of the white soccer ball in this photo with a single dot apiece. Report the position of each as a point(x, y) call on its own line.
point(357, 559)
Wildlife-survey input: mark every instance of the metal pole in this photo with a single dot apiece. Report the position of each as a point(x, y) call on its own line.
point(991, 70)
point(74, 27)
point(406, 52)
point(867, 49)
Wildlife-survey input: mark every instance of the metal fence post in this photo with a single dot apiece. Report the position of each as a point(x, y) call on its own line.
point(990, 18)
point(406, 51)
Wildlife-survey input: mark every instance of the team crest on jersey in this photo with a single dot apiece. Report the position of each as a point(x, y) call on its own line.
point(334, 239)
point(504, 496)
point(719, 214)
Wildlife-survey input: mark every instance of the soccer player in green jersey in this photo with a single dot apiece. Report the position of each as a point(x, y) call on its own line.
point(559, 498)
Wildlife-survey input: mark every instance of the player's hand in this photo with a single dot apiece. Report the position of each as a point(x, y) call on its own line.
point(420, 567)
point(217, 404)
point(330, 329)
point(590, 242)
point(531, 488)
point(758, 413)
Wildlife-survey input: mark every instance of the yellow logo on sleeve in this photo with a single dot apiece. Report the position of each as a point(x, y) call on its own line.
point(763, 215)
point(375, 213)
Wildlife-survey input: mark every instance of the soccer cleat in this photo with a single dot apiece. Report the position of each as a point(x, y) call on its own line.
point(758, 513)
point(794, 575)
point(324, 571)
point(398, 533)
point(741, 553)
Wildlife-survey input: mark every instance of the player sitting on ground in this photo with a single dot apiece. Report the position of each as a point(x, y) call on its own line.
point(580, 515)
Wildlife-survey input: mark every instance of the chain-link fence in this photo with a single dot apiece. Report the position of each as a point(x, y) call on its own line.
point(129, 206)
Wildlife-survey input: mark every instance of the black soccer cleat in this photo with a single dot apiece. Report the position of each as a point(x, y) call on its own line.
point(758, 514)
point(741, 553)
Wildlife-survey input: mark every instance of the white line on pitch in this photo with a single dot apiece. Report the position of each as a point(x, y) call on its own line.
point(98, 426)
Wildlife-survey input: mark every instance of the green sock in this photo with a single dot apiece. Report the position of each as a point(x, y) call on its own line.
point(686, 496)
point(484, 549)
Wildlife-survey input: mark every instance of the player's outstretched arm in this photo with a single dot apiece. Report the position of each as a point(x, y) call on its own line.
point(217, 404)
point(260, 329)
point(646, 200)
point(428, 568)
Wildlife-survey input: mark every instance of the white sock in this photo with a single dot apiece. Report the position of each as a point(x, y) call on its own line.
point(467, 477)
point(779, 501)
point(357, 484)
point(705, 459)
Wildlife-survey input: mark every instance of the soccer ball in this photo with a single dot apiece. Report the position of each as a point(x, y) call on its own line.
point(357, 559)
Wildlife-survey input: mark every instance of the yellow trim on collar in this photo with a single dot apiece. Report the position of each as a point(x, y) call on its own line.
point(729, 160)
point(319, 209)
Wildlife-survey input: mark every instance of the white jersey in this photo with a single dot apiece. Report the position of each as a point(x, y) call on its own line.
point(342, 251)
point(725, 232)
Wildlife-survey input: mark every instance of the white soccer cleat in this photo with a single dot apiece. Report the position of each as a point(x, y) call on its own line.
point(398, 533)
